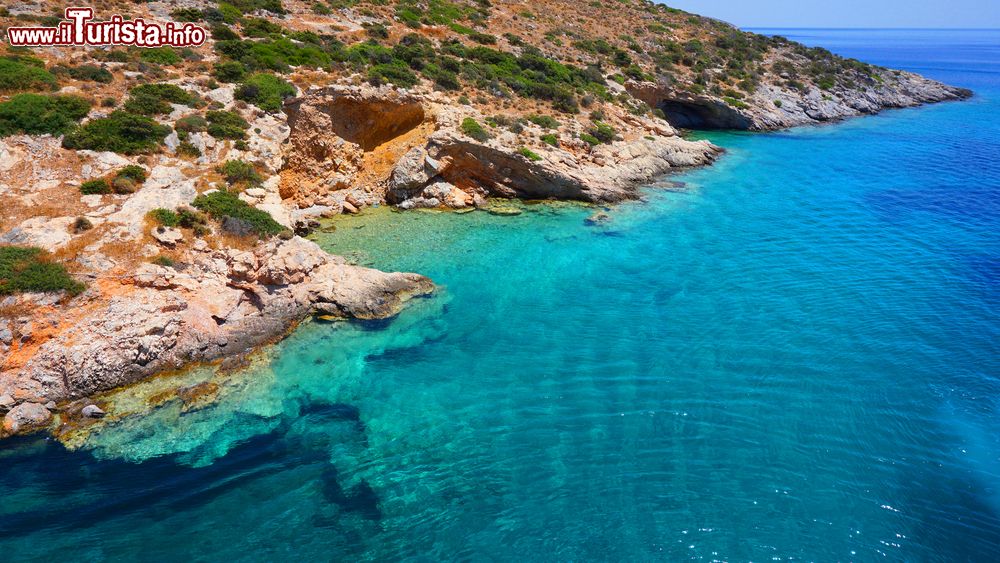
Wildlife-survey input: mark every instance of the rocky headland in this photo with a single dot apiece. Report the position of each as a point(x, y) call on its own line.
point(155, 201)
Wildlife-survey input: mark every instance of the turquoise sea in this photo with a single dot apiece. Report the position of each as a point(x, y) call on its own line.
point(793, 355)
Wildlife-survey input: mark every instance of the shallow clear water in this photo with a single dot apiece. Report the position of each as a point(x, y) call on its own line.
point(795, 356)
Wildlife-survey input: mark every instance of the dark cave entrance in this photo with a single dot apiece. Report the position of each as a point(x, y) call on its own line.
point(702, 115)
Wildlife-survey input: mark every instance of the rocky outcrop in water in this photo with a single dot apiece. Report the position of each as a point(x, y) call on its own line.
point(775, 105)
point(221, 305)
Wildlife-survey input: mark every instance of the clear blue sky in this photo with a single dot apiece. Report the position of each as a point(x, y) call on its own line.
point(848, 13)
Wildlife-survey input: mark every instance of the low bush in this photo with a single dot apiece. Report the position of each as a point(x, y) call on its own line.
point(473, 129)
point(236, 214)
point(239, 172)
point(392, 73)
point(122, 186)
point(226, 125)
point(92, 73)
point(120, 132)
point(28, 269)
point(164, 217)
point(186, 148)
point(191, 124)
point(529, 154)
point(255, 27)
point(550, 139)
point(81, 224)
point(160, 55)
point(589, 139)
point(229, 71)
point(544, 121)
point(19, 73)
point(603, 132)
point(154, 99)
point(265, 91)
point(93, 187)
point(163, 260)
point(133, 172)
point(37, 114)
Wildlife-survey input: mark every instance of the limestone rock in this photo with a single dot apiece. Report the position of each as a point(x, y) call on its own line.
point(168, 236)
point(92, 411)
point(25, 418)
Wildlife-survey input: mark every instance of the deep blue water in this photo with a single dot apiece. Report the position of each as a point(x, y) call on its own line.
point(797, 356)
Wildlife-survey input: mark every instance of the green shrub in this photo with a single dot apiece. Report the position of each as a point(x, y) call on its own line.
point(27, 269)
point(483, 38)
point(121, 185)
point(164, 217)
point(239, 172)
point(550, 139)
point(81, 224)
point(163, 260)
point(186, 148)
point(473, 129)
point(544, 121)
point(190, 218)
point(247, 6)
point(92, 187)
point(24, 73)
point(229, 71)
point(603, 132)
point(187, 15)
point(160, 55)
point(443, 78)
point(529, 154)
point(777, 103)
point(236, 214)
point(589, 139)
point(92, 73)
point(739, 104)
point(255, 27)
point(191, 124)
point(120, 132)
point(277, 54)
point(226, 125)
point(133, 172)
point(265, 91)
point(36, 114)
point(393, 73)
point(154, 99)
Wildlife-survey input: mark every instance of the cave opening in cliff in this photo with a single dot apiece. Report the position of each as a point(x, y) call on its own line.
point(373, 123)
point(701, 115)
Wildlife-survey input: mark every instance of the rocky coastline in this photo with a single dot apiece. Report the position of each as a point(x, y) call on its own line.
point(165, 297)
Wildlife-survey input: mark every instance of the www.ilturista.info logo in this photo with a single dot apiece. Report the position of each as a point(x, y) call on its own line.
point(79, 30)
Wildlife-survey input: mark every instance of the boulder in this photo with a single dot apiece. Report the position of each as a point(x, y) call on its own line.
point(92, 411)
point(25, 418)
point(168, 236)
